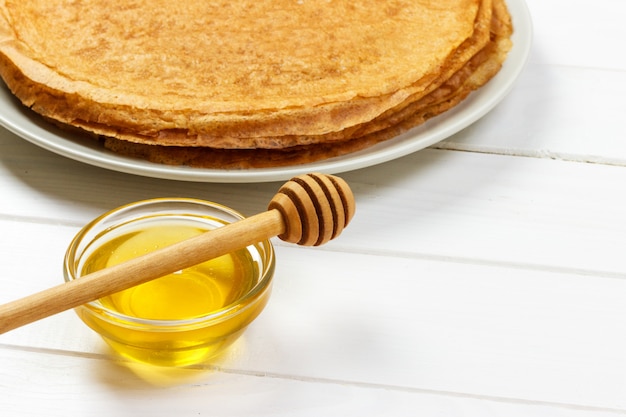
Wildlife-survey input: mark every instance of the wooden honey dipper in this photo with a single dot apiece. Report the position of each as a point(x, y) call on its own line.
point(308, 210)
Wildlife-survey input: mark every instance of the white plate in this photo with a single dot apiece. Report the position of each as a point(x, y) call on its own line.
point(22, 122)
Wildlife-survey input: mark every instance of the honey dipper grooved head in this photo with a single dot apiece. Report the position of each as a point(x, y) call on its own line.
point(316, 208)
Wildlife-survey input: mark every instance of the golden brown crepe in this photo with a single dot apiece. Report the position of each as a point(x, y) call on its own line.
point(239, 84)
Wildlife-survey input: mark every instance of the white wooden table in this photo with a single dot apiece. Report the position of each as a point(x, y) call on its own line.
point(484, 276)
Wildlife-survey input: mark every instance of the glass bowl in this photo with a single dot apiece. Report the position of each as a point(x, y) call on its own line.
point(183, 318)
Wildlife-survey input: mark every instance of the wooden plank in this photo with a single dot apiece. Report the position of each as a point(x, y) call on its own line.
point(444, 326)
point(405, 322)
point(44, 185)
point(544, 117)
point(567, 103)
point(501, 209)
point(53, 385)
point(588, 38)
point(441, 204)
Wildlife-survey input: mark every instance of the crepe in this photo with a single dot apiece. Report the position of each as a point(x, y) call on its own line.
point(238, 84)
point(446, 97)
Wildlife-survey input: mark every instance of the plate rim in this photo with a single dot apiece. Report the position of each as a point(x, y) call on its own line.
point(22, 122)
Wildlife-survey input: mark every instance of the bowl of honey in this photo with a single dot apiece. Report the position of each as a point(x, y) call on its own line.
point(183, 318)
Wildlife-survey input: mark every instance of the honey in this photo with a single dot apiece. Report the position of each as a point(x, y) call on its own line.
point(189, 293)
point(186, 317)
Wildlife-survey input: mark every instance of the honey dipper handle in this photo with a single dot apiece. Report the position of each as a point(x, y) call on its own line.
point(308, 210)
point(187, 253)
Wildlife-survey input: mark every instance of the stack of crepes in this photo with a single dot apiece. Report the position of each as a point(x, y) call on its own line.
point(247, 83)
